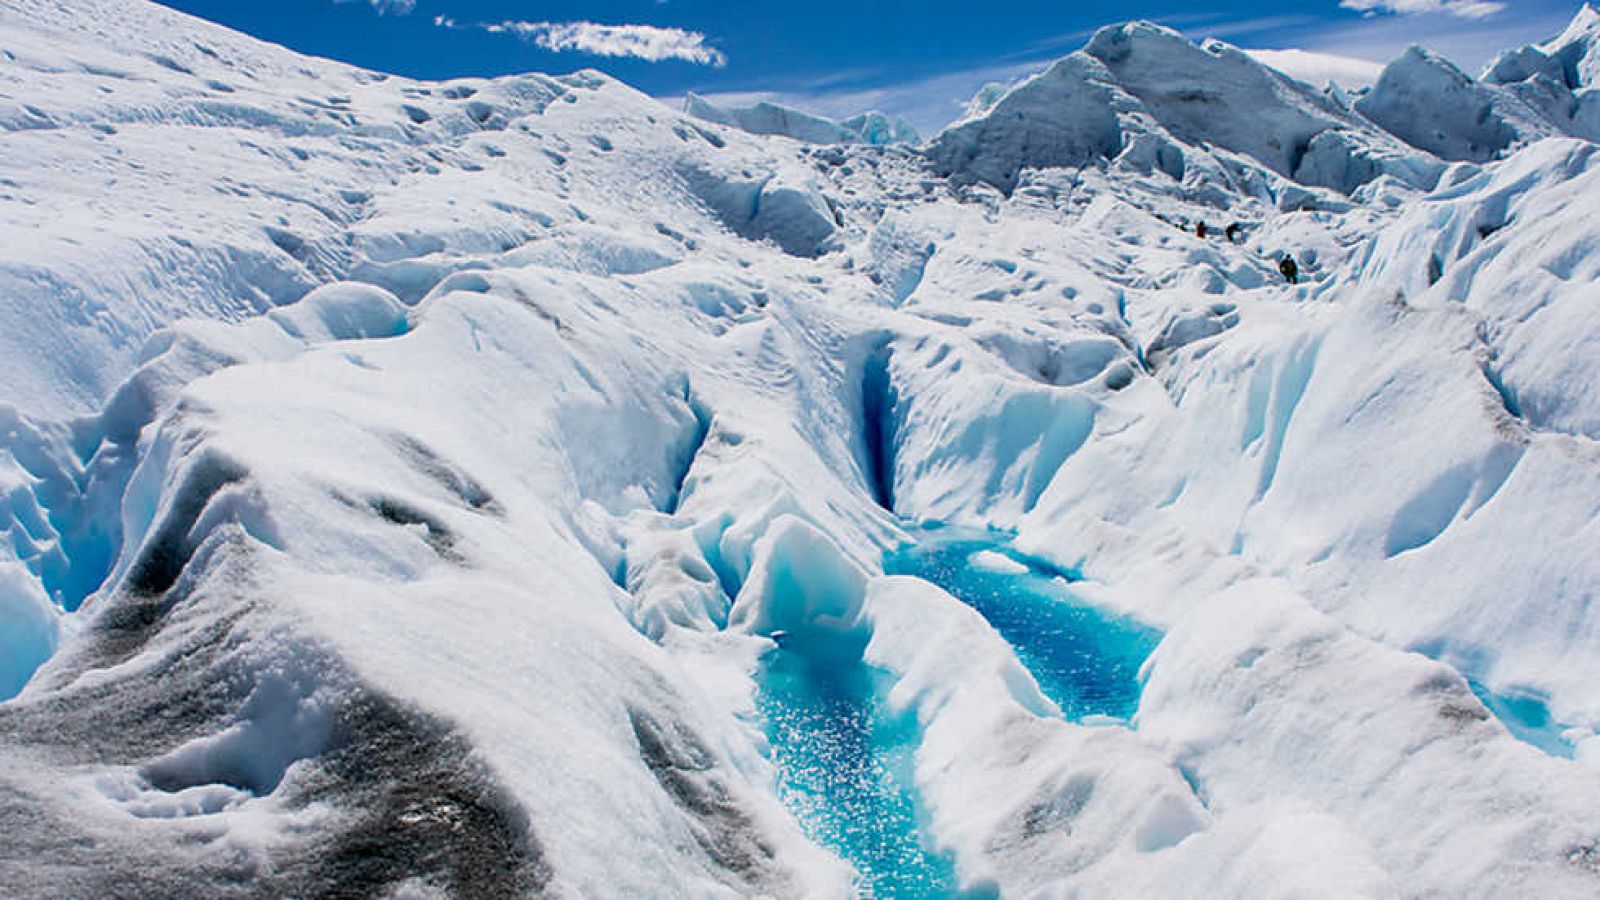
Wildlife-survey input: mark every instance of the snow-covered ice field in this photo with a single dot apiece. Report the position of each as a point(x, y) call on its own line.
point(520, 487)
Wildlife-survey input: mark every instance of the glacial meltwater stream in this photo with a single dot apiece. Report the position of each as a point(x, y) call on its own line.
point(846, 763)
point(846, 768)
point(1084, 659)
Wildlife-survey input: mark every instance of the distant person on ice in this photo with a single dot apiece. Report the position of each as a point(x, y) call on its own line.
point(1291, 272)
point(1200, 231)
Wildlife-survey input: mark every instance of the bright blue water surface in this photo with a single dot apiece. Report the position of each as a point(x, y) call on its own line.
point(845, 763)
point(1527, 718)
point(846, 767)
point(1084, 659)
point(1524, 713)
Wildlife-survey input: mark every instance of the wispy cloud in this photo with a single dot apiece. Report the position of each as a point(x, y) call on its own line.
point(647, 42)
point(1466, 42)
point(385, 7)
point(1464, 9)
point(1320, 68)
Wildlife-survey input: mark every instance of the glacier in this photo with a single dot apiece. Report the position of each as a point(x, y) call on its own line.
point(523, 487)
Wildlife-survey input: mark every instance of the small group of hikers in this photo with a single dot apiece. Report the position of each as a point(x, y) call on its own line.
point(1232, 232)
point(1287, 267)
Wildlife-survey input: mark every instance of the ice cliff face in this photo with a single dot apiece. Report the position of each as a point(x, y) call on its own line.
point(406, 484)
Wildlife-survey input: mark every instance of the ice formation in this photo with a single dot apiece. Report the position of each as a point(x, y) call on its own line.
point(520, 487)
point(770, 118)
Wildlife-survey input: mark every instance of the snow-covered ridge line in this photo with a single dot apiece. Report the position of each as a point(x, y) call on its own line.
point(435, 463)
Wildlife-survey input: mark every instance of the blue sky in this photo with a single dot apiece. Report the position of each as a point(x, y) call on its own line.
point(917, 59)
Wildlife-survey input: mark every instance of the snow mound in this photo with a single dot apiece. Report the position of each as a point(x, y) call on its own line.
point(790, 211)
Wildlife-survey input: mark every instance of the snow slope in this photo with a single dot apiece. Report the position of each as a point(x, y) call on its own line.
point(403, 481)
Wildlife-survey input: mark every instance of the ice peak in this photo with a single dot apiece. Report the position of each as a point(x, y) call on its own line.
point(1417, 52)
point(1417, 59)
point(1583, 29)
point(1586, 19)
point(1114, 43)
point(1577, 48)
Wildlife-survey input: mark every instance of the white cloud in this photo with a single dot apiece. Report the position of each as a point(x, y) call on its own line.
point(384, 7)
point(637, 41)
point(1465, 9)
point(1320, 68)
